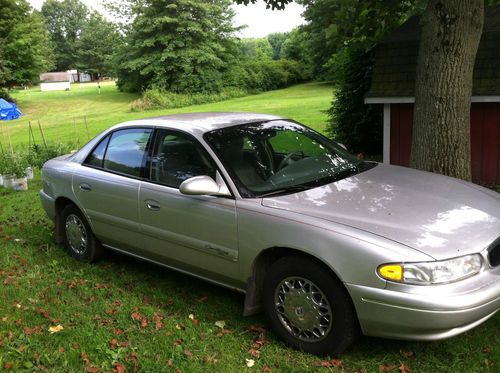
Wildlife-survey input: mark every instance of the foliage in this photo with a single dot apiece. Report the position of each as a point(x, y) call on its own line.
point(297, 47)
point(341, 37)
point(13, 163)
point(37, 155)
point(352, 122)
point(97, 45)
point(155, 98)
point(255, 49)
point(270, 4)
point(4, 93)
point(65, 21)
point(25, 50)
point(276, 39)
point(180, 46)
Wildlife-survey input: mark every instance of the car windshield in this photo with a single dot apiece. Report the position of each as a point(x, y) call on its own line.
point(280, 156)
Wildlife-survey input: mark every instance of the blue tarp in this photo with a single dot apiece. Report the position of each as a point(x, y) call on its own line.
point(8, 110)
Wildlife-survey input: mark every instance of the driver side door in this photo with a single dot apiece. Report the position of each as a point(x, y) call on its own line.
point(194, 233)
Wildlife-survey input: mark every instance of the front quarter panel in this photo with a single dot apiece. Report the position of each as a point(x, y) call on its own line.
point(353, 255)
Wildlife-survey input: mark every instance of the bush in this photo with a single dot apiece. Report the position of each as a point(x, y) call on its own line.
point(38, 154)
point(157, 98)
point(351, 122)
point(13, 164)
point(6, 95)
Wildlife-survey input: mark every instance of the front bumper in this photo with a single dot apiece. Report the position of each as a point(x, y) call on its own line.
point(427, 312)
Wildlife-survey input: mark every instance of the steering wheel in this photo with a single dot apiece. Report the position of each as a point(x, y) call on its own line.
point(288, 157)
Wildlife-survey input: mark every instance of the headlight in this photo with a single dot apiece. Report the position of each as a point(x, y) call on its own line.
point(430, 273)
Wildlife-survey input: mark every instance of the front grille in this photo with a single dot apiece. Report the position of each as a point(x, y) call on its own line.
point(494, 254)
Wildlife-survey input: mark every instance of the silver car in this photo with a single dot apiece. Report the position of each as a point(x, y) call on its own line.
point(326, 244)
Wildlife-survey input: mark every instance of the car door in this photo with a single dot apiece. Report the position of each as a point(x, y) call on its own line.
point(194, 233)
point(107, 186)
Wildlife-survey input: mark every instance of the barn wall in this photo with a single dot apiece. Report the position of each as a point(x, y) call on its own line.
point(485, 139)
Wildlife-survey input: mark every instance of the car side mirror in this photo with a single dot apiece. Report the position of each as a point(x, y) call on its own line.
point(202, 186)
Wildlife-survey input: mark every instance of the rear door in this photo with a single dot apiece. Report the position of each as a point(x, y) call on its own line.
point(107, 186)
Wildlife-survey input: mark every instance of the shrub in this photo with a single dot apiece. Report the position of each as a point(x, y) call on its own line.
point(38, 154)
point(352, 122)
point(14, 164)
point(6, 95)
point(156, 98)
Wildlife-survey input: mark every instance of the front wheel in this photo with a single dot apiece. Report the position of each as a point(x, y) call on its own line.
point(308, 307)
point(79, 240)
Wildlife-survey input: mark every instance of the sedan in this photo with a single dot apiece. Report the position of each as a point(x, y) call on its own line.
point(327, 245)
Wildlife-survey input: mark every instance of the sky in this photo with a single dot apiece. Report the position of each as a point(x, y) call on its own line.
point(260, 21)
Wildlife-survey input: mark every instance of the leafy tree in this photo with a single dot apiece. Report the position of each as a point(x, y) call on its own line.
point(296, 47)
point(65, 21)
point(25, 50)
point(178, 45)
point(97, 45)
point(256, 49)
point(276, 40)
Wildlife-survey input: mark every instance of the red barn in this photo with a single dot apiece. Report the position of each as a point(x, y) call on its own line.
point(393, 84)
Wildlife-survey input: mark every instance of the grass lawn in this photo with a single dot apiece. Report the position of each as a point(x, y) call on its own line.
point(124, 314)
point(62, 113)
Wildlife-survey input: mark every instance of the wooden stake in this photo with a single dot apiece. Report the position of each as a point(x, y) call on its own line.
point(43, 136)
point(86, 127)
point(32, 134)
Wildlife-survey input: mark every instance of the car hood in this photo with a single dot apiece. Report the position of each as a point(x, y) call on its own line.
point(437, 215)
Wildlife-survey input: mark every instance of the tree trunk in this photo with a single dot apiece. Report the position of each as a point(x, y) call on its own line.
point(451, 30)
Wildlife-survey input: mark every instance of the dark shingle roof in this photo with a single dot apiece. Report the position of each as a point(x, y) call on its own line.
point(396, 59)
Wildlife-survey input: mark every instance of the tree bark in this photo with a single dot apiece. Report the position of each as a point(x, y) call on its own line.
point(451, 30)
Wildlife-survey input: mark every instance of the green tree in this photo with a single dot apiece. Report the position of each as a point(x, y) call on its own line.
point(297, 47)
point(276, 40)
point(97, 45)
point(24, 46)
point(65, 21)
point(256, 49)
point(178, 45)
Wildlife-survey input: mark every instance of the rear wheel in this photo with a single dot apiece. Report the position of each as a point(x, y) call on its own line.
point(308, 307)
point(79, 240)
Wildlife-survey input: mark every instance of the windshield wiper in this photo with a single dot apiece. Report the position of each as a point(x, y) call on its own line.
point(290, 189)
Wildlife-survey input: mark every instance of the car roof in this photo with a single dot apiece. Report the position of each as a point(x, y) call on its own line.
point(201, 122)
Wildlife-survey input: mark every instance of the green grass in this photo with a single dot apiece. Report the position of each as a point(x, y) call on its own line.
point(102, 306)
point(62, 113)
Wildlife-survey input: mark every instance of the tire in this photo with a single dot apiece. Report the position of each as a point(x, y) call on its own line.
point(78, 238)
point(308, 307)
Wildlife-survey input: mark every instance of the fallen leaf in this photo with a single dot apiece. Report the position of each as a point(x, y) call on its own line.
point(203, 299)
point(178, 342)
point(403, 368)
point(329, 363)
point(30, 331)
point(61, 349)
point(487, 349)
point(255, 353)
point(170, 363)
point(406, 354)
point(144, 323)
point(188, 353)
point(223, 332)
point(386, 367)
point(55, 329)
point(267, 369)
point(180, 327)
point(250, 362)
point(7, 365)
point(117, 331)
point(113, 343)
point(118, 368)
point(220, 324)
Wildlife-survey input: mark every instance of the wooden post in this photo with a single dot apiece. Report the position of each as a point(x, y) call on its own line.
point(41, 132)
point(86, 127)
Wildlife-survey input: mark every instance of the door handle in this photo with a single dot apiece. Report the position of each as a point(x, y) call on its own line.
point(152, 205)
point(85, 187)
